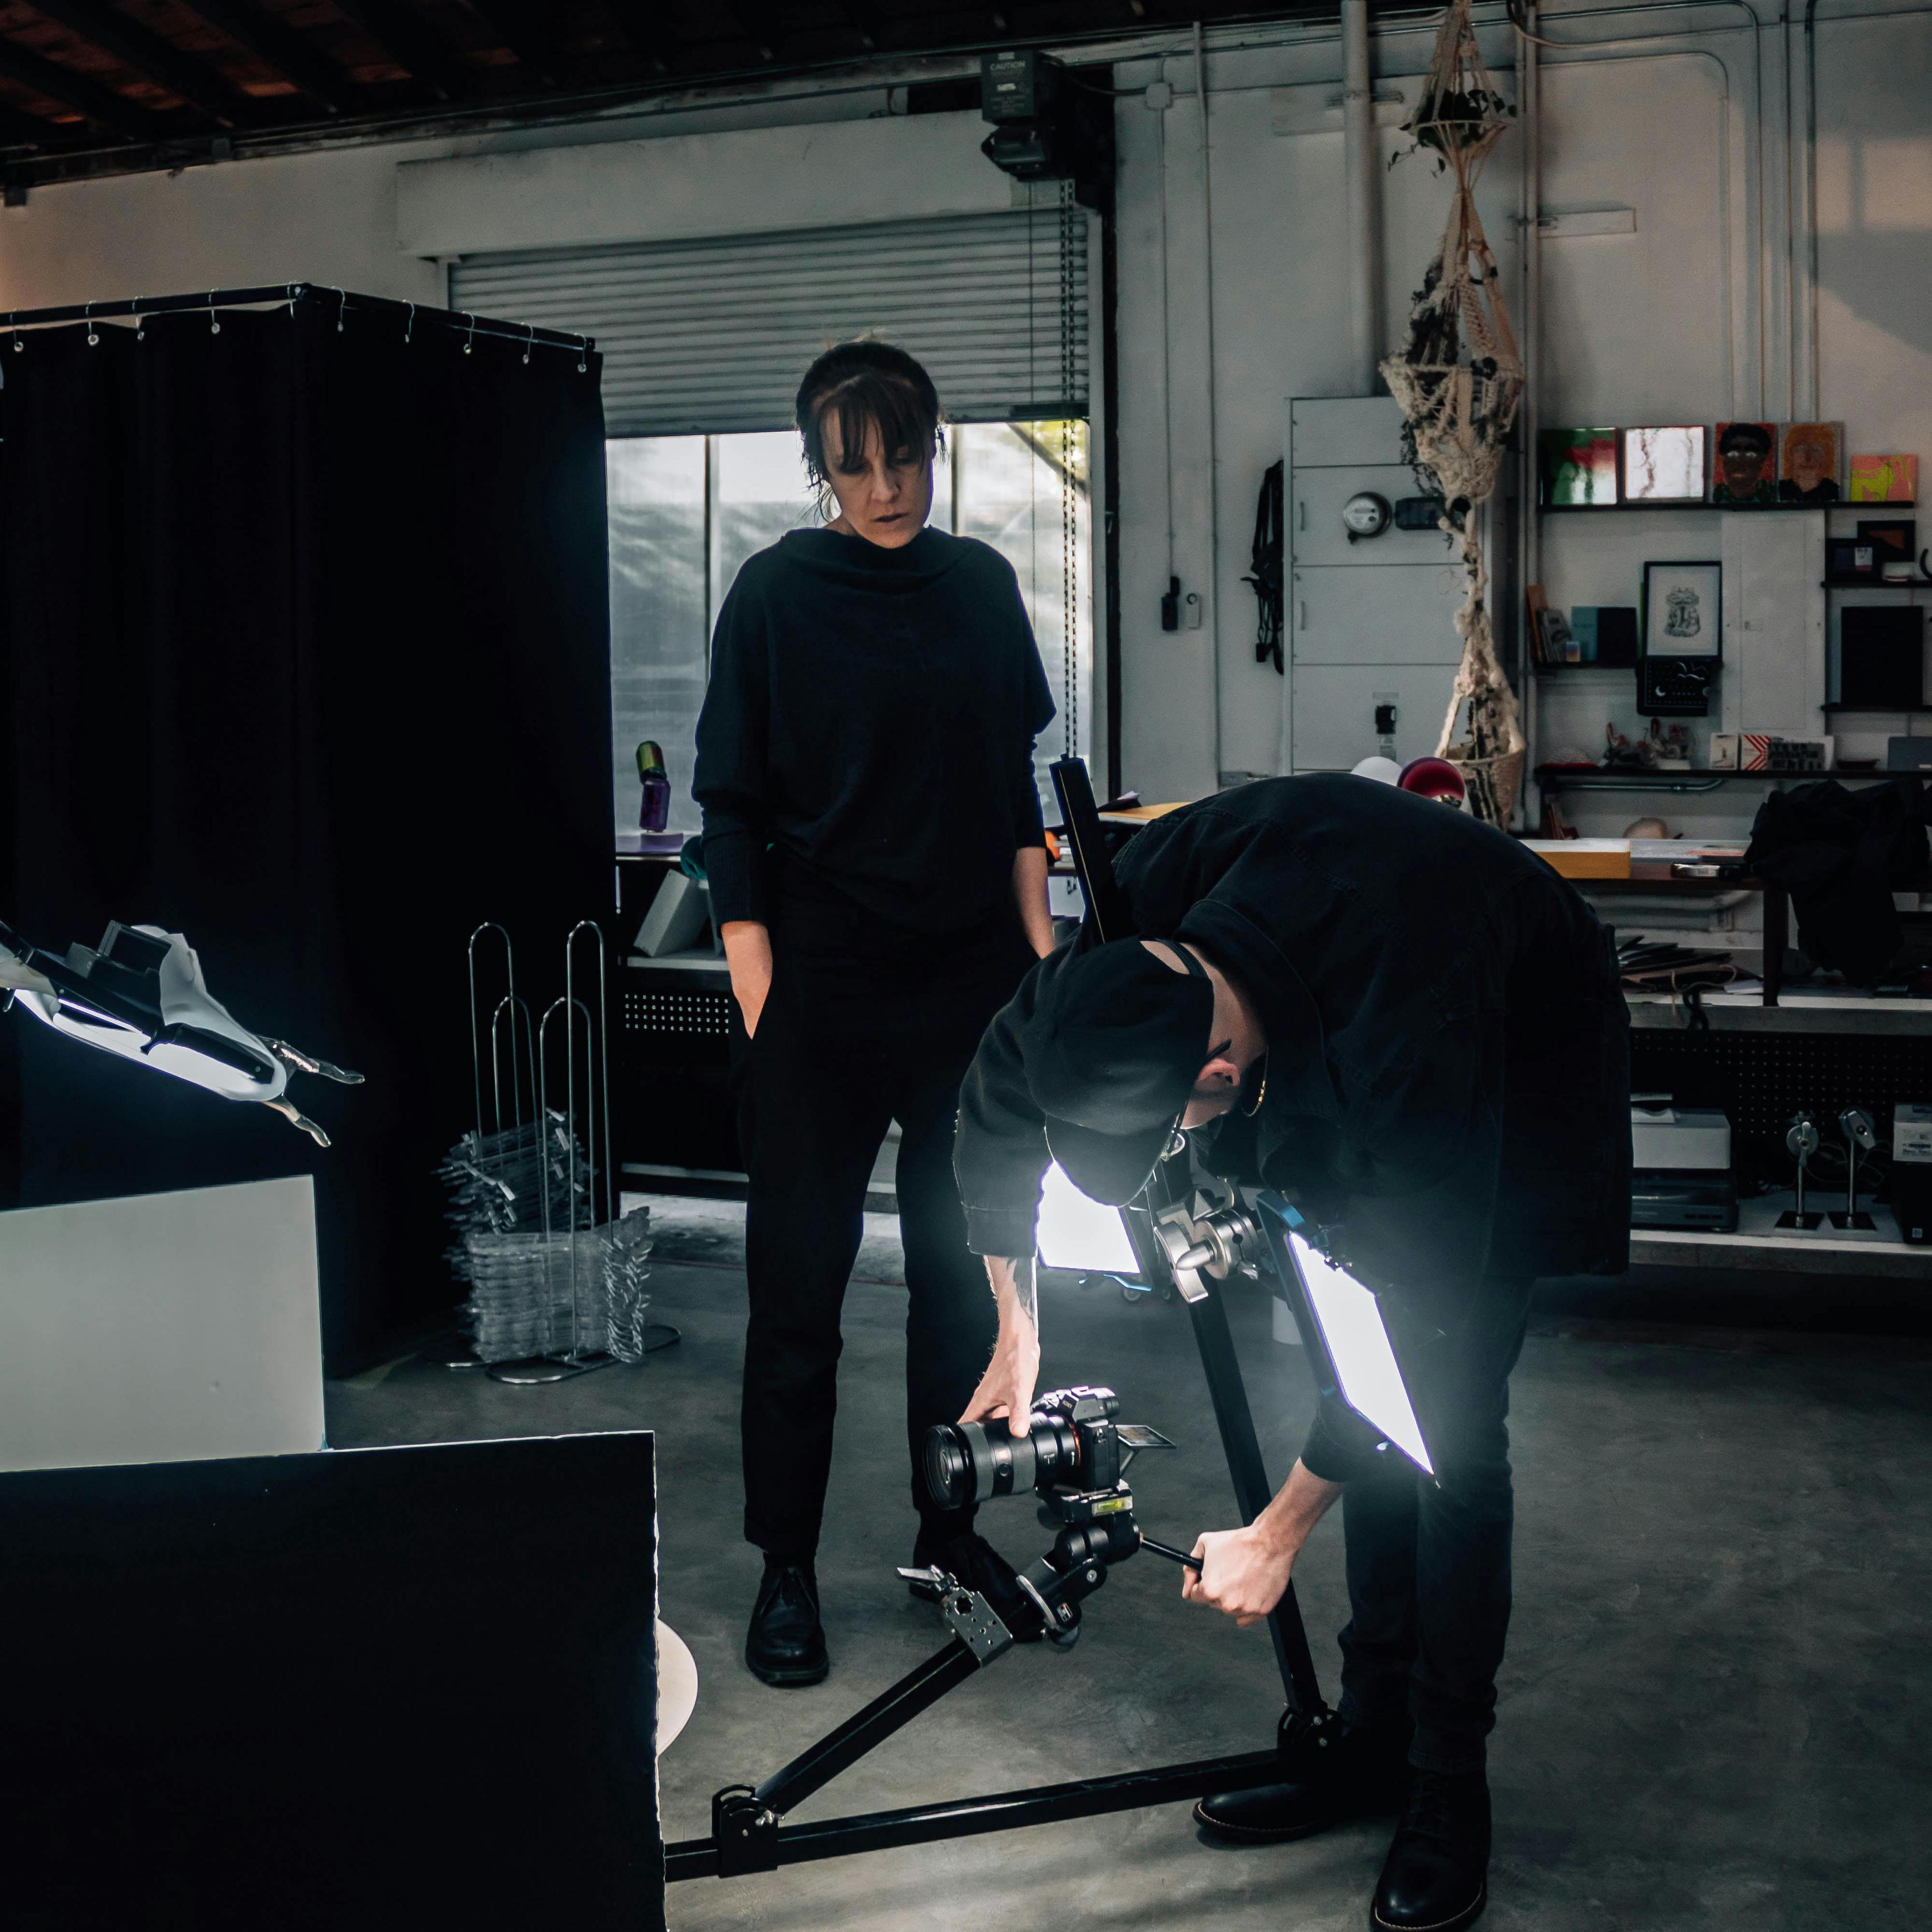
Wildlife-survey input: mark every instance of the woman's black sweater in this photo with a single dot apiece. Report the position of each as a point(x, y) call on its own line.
point(871, 712)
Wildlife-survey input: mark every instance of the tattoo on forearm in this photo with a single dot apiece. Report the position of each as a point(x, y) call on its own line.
point(1028, 1290)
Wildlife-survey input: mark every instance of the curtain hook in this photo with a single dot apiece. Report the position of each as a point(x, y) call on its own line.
point(341, 309)
point(20, 341)
point(87, 316)
point(469, 341)
point(529, 342)
point(213, 320)
point(582, 353)
point(289, 289)
point(410, 329)
point(140, 321)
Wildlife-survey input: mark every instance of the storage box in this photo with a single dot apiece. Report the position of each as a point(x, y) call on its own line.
point(1912, 1171)
point(1698, 1138)
point(1584, 858)
point(1773, 751)
point(1724, 751)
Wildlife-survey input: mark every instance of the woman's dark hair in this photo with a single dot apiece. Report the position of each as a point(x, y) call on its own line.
point(866, 385)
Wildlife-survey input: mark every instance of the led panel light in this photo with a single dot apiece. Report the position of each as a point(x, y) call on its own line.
point(1078, 1233)
point(1358, 1345)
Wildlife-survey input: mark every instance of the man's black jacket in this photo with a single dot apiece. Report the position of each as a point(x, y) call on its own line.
point(1448, 1054)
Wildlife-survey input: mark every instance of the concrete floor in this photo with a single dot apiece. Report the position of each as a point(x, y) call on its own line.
point(1714, 1711)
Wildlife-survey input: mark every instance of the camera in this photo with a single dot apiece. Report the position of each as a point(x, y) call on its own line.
point(1073, 1448)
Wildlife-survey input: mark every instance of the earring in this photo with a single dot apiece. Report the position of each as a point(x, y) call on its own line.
point(1261, 1094)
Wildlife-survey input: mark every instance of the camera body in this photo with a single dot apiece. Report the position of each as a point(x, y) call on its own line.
point(1071, 1456)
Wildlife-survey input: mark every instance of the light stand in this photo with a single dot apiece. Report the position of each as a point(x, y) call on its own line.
point(1801, 1139)
point(1861, 1136)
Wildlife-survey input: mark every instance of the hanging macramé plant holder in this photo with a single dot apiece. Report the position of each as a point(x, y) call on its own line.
point(1459, 380)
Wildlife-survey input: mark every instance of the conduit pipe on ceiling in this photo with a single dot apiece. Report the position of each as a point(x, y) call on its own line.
point(1363, 205)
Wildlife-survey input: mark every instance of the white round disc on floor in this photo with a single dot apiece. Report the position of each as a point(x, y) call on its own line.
point(677, 1685)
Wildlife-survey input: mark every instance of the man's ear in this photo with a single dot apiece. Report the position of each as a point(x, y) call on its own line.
point(1218, 1073)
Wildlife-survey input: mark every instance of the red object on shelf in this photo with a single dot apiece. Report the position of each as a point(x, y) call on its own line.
point(1433, 778)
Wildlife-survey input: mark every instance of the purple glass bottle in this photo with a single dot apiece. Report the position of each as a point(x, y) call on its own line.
point(655, 806)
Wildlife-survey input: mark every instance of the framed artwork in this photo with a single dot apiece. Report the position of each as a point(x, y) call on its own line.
point(1884, 479)
point(1579, 465)
point(1894, 540)
point(1745, 467)
point(1810, 463)
point(1846, 559)
point(1665, 465)
point(1683, 609)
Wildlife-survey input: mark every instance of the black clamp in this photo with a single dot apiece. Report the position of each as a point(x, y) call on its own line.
point(974, 1621)
point(745, 1830)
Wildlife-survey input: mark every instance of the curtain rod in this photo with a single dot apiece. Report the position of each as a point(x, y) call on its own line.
point(410, 313)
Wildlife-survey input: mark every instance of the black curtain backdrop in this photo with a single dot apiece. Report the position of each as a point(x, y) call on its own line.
point(307, 656)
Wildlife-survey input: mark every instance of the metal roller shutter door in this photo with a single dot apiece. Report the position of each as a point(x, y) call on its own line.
point(712, 336)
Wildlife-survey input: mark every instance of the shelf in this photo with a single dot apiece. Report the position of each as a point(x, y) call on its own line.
point(1705, 503)
point(1730, 1009)
point(1760, 1243)
point(1699, 780)
point(1880, 710)
point(1876, 583)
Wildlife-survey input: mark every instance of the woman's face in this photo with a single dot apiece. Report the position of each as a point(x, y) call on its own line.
point(887, 502)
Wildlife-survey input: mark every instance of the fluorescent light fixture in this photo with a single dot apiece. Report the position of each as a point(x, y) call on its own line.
point(1358, 1345)
point(1079, 1233)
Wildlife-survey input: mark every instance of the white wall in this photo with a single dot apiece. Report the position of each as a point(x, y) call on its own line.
point(1691, 115)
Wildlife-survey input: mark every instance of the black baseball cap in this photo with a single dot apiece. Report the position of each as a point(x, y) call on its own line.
point(1111, 1050)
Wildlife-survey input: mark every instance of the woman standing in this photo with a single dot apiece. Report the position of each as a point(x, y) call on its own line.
point(872, 835)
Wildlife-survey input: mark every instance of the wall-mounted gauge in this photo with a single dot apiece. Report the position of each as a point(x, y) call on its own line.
point(1366, 515)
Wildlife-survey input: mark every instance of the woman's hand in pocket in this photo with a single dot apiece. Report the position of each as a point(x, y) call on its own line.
point(748, 952)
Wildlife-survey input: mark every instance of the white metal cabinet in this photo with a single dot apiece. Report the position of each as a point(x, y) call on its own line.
point(1372, 648)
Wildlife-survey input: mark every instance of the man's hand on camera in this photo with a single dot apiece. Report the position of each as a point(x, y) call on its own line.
point(1243, 1573)
point(1006, 1388)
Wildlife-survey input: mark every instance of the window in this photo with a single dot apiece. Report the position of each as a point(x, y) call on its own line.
point(685, 512)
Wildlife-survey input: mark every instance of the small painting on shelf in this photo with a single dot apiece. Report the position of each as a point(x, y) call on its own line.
point(1666, 464)
point(1810, 463)
point(1579, 465)
point(1746, 468)
point(1884, 479)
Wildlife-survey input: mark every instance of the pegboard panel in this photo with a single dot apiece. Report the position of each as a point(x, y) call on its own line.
point(1760, 1080)
point(706, 1015)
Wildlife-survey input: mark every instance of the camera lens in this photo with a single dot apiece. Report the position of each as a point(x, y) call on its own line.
point(970, 1461)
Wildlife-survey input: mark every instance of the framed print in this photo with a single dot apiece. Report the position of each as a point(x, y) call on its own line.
point(1893, 539)
point(1811, 463)
point(1666, 464)
point(1744, 470)
point(1884, 479)
point(1683, 609)
point(1579, 465)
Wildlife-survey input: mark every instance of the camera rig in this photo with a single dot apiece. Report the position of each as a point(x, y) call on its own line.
point(1075, 1456)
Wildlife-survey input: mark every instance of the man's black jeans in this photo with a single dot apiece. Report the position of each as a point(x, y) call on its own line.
point(865, 1024)
point(1428, 1562)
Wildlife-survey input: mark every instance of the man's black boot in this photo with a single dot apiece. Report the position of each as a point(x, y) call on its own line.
point(786, 1644)
point(1328, 1776)
point(1436, 1875)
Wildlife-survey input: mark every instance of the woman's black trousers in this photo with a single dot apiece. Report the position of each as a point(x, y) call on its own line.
point(865, 1024)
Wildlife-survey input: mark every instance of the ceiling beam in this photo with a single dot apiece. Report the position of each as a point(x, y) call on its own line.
point(520, 27)
point(106, 109)
point(294, 59)
point(198, 81)
point(413, 45)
